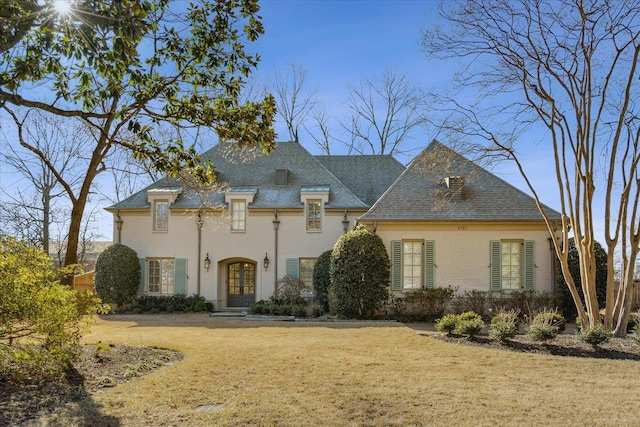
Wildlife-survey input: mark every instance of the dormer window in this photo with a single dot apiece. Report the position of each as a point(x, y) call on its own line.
point(455, 184)
point(282, 176)
point(314, 199)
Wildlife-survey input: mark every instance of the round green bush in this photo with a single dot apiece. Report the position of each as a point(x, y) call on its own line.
point(469, 323)
point(595, 335)
point(447, 323)
point(322, 280)
point(117, 274)
point(546, 326)
point(359, 274)
point(504, 325)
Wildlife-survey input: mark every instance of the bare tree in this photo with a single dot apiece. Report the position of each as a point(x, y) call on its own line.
point(320, 131)
point(570, 67)
point(293, 105)
point(57, 166)
point(383, 114)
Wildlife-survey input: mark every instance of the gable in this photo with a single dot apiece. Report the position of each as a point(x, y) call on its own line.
point(422, 193)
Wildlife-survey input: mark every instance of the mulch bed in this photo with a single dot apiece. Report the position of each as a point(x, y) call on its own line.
point(562, 345)
point(94, 371)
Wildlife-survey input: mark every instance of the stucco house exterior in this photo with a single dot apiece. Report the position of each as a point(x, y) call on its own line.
point(448, 222)
point(445, 221)
point(268, 216)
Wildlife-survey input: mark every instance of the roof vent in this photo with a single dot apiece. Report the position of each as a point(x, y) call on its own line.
point(282, 176)
point(456, 187)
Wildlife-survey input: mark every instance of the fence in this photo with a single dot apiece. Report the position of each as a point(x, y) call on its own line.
point(84, 282)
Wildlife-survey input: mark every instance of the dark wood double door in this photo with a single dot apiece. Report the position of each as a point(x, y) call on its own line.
point(241, 284)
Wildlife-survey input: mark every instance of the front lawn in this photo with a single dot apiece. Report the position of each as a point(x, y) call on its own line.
point(294, 374)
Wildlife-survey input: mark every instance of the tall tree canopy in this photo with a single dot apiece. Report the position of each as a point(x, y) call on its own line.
point(571, 68)
point(126, 67)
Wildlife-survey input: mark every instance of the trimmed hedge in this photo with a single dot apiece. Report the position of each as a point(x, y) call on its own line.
point(360, 272)
point(117, 274)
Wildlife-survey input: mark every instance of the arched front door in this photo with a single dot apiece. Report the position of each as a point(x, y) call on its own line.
point(241, 284)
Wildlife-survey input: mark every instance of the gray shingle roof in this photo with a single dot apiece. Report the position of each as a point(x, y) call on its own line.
point(250, 168)
point(421, 193)
point(367, 176)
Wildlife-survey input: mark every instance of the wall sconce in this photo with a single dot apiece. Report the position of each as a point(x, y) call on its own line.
point(265, 262)
point(207, 262)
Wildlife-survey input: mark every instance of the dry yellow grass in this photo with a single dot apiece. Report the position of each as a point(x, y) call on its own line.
point(351, 374)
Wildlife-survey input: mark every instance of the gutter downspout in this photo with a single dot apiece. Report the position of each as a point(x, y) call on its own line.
point(199, 223)
point(276, 224)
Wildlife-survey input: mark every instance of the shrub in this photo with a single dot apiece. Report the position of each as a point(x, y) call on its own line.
point(322, 280)
point(526, 303)
point(299, 310)
point(469, 323)
point(429, 304)
point(289, 290)
point(567, 305)
point(504, 325)
point(41, 321)
point(635, 334)
point(546, 326)
point(474, 300)
point(178, 302)
point(447, 323)
point(595, 335)
point(359, 274)
point(117, 274)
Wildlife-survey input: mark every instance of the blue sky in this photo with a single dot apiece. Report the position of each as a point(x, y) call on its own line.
point(341, 42)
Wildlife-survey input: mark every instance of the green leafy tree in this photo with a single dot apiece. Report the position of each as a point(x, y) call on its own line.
point(117, 274)
point(565, 299)
point(359, 274)
point(322, 279)
point(123, 68)
point(41, 321)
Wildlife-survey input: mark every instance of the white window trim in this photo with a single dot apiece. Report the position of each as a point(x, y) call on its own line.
point(155, 216)
point(310, 195)
point(520, 246)
point(243, 223)
point(160, 284)
point(236, 194)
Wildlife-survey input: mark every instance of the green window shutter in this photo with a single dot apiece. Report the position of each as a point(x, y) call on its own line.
point(293, 267)
point(529, 265)
point(396, 265)
point(180, 276)
point(142, 287)
point(429, 264)
point(496, 265)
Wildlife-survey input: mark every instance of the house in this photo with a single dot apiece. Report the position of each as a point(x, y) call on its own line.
point(445, 221)
point(268, 216)
point(448, 222)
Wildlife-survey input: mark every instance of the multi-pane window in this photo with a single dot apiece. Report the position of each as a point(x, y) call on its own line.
point(314, 211)
point(161, 276)
point(238, 215)
point(511, 264)
point(412, 264)
point(306, 273)
point(161, 215)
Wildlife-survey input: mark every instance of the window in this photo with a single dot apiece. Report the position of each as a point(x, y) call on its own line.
point(512, 265)
point(314, 210)
point(238, 215)
point(161, 215)
point(412, 264)
point(161, 276)
point(306, 273)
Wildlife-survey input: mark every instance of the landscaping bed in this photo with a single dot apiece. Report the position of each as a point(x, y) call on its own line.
point(93, 371)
